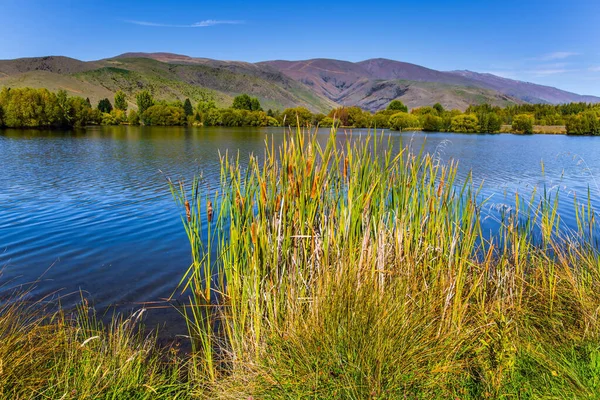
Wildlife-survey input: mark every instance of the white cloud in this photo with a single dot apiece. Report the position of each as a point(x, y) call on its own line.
point(557, 55)
point(201, 24)
point(546, 72)
point(594, 69)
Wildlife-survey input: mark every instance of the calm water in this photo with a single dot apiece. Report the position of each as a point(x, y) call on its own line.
point(91, 210)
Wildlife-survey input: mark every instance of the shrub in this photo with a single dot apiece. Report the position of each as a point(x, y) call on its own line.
point(403, 120)
point(164, 115)
point(397, 105)
point(523, 123)
point(432, 123)
point(465, 123)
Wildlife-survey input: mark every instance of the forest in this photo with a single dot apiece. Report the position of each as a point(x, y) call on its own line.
point(41, 108)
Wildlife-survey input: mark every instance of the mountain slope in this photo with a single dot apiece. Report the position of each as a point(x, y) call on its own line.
point(372, 84)
point(368, 83)
point(529, 92)
point(318, 84)
point(178, 78)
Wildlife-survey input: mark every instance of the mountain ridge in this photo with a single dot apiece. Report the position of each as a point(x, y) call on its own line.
point(318, 84)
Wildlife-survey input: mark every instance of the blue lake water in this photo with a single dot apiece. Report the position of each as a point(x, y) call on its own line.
point(90, 210)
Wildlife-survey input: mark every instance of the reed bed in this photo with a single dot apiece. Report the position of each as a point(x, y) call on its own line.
point(347, 270)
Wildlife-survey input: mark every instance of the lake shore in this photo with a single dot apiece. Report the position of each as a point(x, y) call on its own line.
point(350, 273)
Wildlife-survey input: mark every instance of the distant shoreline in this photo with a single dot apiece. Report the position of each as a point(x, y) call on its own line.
point(540, 129)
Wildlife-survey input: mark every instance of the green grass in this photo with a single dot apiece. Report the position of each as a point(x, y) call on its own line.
point(46, 353)
point(340, 269)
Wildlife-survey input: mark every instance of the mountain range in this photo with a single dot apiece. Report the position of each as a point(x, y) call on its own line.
point(318, 84)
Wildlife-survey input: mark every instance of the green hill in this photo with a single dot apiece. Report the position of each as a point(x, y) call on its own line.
point(169, 81)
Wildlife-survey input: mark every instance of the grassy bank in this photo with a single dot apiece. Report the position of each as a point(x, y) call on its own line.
point(46, 353)
point(341, 270)
point(540, 129)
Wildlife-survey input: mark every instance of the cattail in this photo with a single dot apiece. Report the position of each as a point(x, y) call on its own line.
point(209, 211)
point(188, 211)
point(440, 187)
point(253, 233)
point(345, 168)
point(277, 202)
point(263, 192)
point(239, 201)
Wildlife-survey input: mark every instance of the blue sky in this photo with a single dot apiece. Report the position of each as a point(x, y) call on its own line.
point(549, 42)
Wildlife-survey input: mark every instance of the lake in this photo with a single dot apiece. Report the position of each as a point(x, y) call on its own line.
point(91, 211)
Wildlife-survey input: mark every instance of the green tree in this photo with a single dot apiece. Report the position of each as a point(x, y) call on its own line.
point(432, 123)
point(205, 106)
point(328, 122)
point(255, 105)
point(523, 123)
point(397, 105)
point(466, 123)
point(403, 120)
point(187, 108)
point(79, 112)
point(245, 102)
point(144, 101)
point(120, 101)
point(489, 122)
point(105, 106)
point(164, 115)
point(421, 111)
point(295, 116)
point(439, 108)
point(65, 108)
point(133, 118)
point(212, 118)
point(585, 123)
point(30, 108)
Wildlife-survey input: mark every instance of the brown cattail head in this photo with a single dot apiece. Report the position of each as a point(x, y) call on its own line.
point(345, 168)
point(313, 192)
point(253, 233)
point(188, 211)
point(263, 193)
point(209, 211)
point(440, 187)
point(239, 201)
point(277, 202)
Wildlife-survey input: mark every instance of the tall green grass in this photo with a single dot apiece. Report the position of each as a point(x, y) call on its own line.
point(47, 353)
point(347, 270)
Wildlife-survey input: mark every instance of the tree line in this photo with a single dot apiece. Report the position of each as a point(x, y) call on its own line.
point(29, 108)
